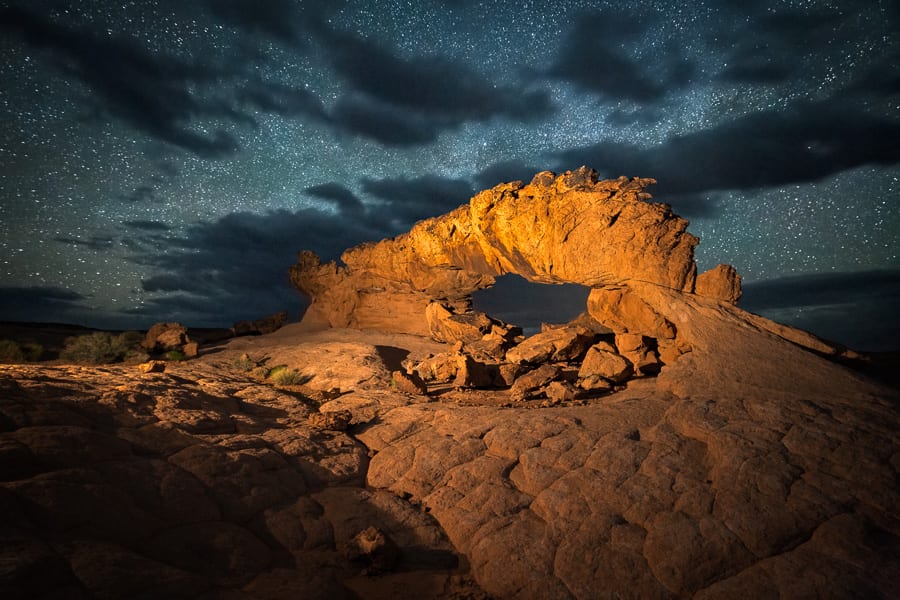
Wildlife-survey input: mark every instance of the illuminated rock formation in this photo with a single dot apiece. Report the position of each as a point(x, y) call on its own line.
point(570, 228)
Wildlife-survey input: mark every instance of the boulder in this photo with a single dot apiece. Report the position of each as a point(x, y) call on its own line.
point(439, 368)
point(559, 391)
point(163, 337)
point(447, 326)
point(639, 351)
point(473, 374)
point(409, 383)
point(528, 382)
point(722, 282)
point(624, 311)
point(599, 362)
point(269, 324)
point(557, 345)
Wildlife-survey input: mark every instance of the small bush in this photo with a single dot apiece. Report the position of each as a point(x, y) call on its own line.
point(282, 375)
point(175, 355)
point(32, 350)
point(244, 363)
point(10, 351)
point(98, 348)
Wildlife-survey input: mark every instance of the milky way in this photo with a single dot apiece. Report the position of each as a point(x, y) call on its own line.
point(165, 160)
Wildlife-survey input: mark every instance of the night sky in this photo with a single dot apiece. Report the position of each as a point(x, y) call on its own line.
point(166, 159)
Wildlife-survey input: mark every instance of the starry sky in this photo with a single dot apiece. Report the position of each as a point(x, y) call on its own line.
point(165, 160)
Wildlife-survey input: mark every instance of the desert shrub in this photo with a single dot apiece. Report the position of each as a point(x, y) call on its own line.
point(282, 375)
point(244, 363)
point(32, 350)
point(10, 351)
point(99, 348)
point(175, 355)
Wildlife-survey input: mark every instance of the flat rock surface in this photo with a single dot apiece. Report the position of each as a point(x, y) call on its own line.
point(749, 467)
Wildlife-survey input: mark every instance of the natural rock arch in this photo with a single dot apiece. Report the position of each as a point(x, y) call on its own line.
point(571, 228)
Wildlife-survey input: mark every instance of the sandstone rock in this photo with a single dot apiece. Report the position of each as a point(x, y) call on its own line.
point(440, 368)
point(557, 345)
point(268, 324)
point(191, 350)
point(472, 374)
point(165, 336)
point(595, 384)
point(153, 366)
point(636, 348)
point(532, 380)
point(722, 282)
point(409, 383)
point(507, 373)
point(338, 420)
point(608, 365)
point(559, 391)
point(624, 311)
point(375, 548)
point(591, 232)
point(447, 326)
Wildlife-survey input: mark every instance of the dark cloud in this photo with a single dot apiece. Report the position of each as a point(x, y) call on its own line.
point(384, 123)
point(148, 91)
point(595, 56)
point(275, 18)
point(408, 101)
point(859, 309)
point(774, 44)
point(284, 20)
point(282, 99)
point(93, 243)
point(805, 142)
point(409, 200)
point(41, 303)
point(165, 97)
point(142, 194)
point(431, 84)
point(158, 226)
point(344, 199)
point(236, 267)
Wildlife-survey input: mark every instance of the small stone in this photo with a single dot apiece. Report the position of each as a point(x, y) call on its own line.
point(533, 380)
point(373, 547)
point(409, 383)
point(338, 420)
point(153, 366)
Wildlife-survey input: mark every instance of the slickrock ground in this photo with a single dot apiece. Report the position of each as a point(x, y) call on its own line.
point(202, 482)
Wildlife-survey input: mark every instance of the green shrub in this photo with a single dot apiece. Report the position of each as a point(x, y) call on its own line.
point(11, 352)
point(282, 375)
point(98, 348)
point(175, 355)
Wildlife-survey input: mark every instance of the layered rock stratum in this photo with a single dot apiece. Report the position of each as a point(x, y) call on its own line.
point(666, 444)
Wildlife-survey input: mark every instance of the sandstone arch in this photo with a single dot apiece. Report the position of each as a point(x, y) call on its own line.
point(571, 228)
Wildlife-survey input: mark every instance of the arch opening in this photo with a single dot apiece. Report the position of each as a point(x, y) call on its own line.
point(517, 301)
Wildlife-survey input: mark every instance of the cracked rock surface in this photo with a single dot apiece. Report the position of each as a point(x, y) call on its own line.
point(749, 467)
